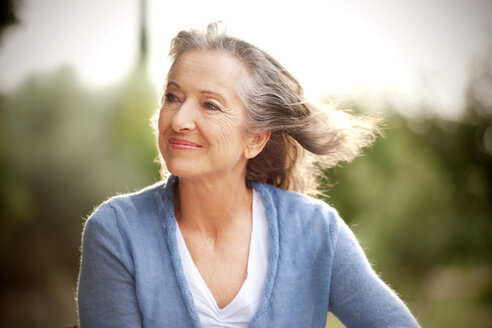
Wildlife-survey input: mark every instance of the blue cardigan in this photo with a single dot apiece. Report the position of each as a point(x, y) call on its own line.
point(131, 273)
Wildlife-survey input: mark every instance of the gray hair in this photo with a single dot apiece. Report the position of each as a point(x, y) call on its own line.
point(304, 138)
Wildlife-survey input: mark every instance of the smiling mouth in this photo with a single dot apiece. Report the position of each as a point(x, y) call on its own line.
point(183, 144)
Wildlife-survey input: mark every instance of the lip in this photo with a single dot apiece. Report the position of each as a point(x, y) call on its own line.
point(183, 144)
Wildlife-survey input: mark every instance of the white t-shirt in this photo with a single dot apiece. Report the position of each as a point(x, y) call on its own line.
point(240, 311)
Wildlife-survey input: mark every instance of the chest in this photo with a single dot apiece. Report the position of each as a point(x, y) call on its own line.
point(224, 272)
point(223, 267)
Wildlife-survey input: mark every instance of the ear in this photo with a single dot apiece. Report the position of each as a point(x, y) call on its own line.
point(256, 144)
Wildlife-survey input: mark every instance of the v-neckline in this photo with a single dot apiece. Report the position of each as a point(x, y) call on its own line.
point(170, 225)
point(197, 275)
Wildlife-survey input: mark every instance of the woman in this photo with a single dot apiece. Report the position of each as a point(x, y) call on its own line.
point(225, 242)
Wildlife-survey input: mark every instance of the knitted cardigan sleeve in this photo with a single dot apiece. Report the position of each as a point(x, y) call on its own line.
point(358, 297)
point(106, 290)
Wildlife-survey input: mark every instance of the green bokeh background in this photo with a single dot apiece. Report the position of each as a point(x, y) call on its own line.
point(420, 200)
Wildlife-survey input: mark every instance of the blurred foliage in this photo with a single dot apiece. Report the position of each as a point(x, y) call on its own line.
point(419, 200)
point(8, 16)
point(63, 150)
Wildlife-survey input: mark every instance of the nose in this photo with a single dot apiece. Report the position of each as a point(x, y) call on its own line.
point(185, 118)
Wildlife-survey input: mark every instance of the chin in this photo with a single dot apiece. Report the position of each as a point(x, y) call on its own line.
point(182, 170)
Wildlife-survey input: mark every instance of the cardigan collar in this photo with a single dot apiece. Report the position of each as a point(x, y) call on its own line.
point(166, 207)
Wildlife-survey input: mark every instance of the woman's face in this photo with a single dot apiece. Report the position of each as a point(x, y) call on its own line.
point(202, 120)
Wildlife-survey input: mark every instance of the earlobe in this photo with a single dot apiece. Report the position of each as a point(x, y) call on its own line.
point(256, 144)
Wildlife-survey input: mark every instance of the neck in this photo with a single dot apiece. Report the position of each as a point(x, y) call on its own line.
point(213, 206)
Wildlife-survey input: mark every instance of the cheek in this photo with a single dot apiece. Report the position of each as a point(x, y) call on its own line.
point(228, 133)
point(163, 125)
point(164, 121)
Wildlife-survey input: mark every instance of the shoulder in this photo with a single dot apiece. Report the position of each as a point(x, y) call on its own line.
point(293, 204)
point(138, 203)
point(127, 212)
point(300, 214)
point(287, 198)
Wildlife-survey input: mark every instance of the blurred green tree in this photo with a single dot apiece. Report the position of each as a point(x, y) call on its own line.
point(8, 16)
point(62, 151)
point(420, 202)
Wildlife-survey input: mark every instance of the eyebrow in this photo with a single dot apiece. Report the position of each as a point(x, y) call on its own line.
point(173, 83)
point(218, 95)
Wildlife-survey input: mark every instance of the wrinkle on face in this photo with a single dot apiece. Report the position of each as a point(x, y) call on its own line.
point(197, 78)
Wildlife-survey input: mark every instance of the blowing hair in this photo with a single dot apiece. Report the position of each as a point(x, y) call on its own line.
point(305, 139)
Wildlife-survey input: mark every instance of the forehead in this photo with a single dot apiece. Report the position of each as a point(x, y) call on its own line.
point(209, 69)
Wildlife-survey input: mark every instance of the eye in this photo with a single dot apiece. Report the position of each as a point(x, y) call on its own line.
point(170, 98)
point(211, 106)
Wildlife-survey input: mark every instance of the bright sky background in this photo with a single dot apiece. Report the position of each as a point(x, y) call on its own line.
point(409, 51)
